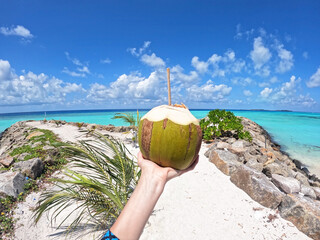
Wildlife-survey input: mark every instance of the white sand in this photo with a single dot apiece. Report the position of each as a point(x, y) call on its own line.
point(202, 204)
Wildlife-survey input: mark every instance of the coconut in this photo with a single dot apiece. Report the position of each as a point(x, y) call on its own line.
point(170, 136)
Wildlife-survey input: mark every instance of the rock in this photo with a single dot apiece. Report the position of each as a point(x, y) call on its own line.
point(34, 134)
point(238, 147)
point(11, 184)
point(301, 178)
point(7, 161)
point(257, 186)
point(252, 163)
point(32, 168)
point(231, 140)
point(259, 143)
point(304, 213)
point(225, 161)
point(308, 191)
point(222, 145)
point(276, 168)
point(286, 184)
point(317, 192)
point(240, 144)
point(262, 159)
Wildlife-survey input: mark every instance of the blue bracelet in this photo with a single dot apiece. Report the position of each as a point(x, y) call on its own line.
point(109, 236)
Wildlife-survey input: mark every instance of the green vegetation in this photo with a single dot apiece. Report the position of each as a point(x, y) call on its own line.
point(222, 123)
point(59, 160)
point(101, 183)
point(129, 118)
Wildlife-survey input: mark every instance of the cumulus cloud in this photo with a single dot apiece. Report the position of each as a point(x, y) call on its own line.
point(152, 60)
point(242, 81)
point(179, 77)
point(31, 88)
point(286, 94)
point(314, 79)
point(219, 66)
point(133, 86)
point(137, 52)
point(200, 66)
point(247, 93)
point(18, 30)
point(260, 55)
point(208, 92)
point(266, 92)
point(286, 59)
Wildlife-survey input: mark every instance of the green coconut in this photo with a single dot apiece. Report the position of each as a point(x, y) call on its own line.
point(170, 136)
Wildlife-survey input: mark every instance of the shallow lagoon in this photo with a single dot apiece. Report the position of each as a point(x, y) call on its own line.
point(298, 133)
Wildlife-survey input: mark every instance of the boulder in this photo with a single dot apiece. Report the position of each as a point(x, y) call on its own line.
point(276, 168)
point(11, 184)
point(317, 192)
point(252, 163)
point(238, 147)
point(32, 168)
point(301, 178)
point(48, 147)
point(259, 143)
point(257, 186)
point(286, 184)
point(22, 156)
point(308, 191)
point(222, 145)
point(7, 161)
point(225, 161)
point(304, 213)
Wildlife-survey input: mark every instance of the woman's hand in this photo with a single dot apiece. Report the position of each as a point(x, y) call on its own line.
point(155, 172)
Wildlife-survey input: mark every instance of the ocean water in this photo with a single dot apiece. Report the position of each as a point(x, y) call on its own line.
point(298, 133)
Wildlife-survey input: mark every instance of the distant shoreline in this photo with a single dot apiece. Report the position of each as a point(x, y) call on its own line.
point(144, 109)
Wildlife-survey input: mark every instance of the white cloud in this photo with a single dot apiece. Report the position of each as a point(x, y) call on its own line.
point(247, 93)
point(242, 81)
point(260, 55)
point(138, 52)
point(152, 60)
point(286, 59)
point(264, 84)
point(72, 73)
point(200, 66)
point(31, 88)
point(266, 92)
point(305, 55)
point(19, 30)
point(274, 79)
point(314, 79)
point(82, 69)
point(286, 95)
point(131, 87)
point(208, 92)
point(105, 61)
point(75, 61)
point(178, 76)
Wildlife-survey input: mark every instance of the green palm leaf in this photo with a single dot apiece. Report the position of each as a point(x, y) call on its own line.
point(97, 184)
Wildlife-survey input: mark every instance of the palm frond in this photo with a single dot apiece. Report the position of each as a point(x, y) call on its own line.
point(127, 117)
point(98, 183)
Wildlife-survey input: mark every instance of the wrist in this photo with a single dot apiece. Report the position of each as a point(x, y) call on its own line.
point(151, 183)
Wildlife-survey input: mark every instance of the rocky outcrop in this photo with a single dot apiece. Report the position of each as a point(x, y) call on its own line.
point(286, 184)
point(257, 186)
point(11, 184)
point(270, 177)
point(32, 168)
point(225, 161)
point(303, 213)
point(6, 161)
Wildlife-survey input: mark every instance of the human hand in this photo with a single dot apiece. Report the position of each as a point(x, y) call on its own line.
point(154, 172)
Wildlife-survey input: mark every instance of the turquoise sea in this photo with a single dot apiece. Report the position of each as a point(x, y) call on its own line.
point(298, 133)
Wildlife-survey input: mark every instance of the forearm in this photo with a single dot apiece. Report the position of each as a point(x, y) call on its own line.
point(135, 214)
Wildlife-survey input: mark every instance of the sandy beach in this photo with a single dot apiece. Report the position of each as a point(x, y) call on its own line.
point(202, 204)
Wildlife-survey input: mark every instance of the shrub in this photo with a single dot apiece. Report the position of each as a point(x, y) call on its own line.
point(222, 123)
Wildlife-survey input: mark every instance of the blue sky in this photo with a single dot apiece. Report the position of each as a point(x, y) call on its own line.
point(60, 55)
